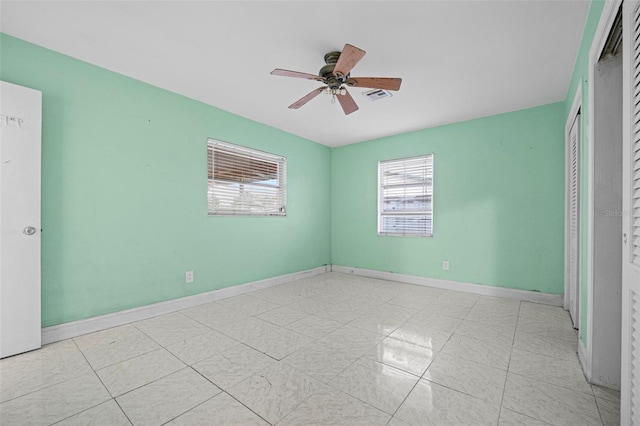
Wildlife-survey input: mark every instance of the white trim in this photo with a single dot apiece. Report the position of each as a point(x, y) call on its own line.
point(102, 322)
point(395, 167)
point(584, 359)
point(77, 328)
point(600, 38)
point(607, 18)
point(485, 290)
point(575, 107)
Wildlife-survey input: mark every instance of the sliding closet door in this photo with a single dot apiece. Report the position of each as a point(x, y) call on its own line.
point(574, 220)
point(630, 384)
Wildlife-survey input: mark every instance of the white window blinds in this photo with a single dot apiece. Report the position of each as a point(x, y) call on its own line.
point(405, 200)
point(244, 181)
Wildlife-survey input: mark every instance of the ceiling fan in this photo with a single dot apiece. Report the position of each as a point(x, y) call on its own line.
point(336, 75)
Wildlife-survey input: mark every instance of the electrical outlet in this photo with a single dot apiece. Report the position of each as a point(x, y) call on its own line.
point(445, 265)
point(188, 277)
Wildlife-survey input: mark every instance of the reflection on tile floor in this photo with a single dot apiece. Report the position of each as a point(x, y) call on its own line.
point(332, 349)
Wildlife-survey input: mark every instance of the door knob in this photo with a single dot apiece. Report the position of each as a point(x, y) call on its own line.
point(29, 230)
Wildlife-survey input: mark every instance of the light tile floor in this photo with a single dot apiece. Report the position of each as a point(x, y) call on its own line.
point(329, 349)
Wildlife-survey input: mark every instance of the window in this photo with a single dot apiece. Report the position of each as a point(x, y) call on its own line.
point(405, 200)
point(244, 181)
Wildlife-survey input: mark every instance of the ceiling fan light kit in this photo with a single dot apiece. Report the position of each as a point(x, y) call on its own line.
point(336, 75)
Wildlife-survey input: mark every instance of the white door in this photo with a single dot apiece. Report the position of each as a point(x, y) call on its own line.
point(630, 375)
point(20, 133)
point(574, 220)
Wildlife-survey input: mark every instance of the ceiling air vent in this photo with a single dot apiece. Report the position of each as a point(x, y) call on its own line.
point(374, 95)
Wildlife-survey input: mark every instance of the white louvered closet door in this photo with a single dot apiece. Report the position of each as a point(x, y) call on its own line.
point(574, 219)
point(630, 383)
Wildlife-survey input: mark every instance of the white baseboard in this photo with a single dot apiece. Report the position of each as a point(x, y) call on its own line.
point(485, 290)
point(585, 360)
point(77, 328)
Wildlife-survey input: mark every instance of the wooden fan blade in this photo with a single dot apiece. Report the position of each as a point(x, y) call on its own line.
point(375, 82)
point(287, 73)
point(348, 59)
point(306, 98)
point(347, 103)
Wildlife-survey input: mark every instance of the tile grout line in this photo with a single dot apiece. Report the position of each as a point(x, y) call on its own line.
point(192, 408)
point(532, 378)
point(249, 408)
point(506, 376)
point(348, 298)
point(101, 382)
point(599, 410)
point(52, 384)
point(421, 377)
point(222, 391)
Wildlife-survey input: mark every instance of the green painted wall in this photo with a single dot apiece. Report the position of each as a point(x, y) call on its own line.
point(579, 81)
point(124, 184)
point(498, 202)
point(124, 194)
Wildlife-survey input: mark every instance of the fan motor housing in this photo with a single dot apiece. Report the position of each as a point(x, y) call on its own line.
point(326, 72)
point(332, 57)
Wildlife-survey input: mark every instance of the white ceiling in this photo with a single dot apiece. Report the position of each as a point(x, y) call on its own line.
point(458, 59)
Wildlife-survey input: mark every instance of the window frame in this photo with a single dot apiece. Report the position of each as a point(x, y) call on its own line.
point(429, 161)
point(251, 154)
